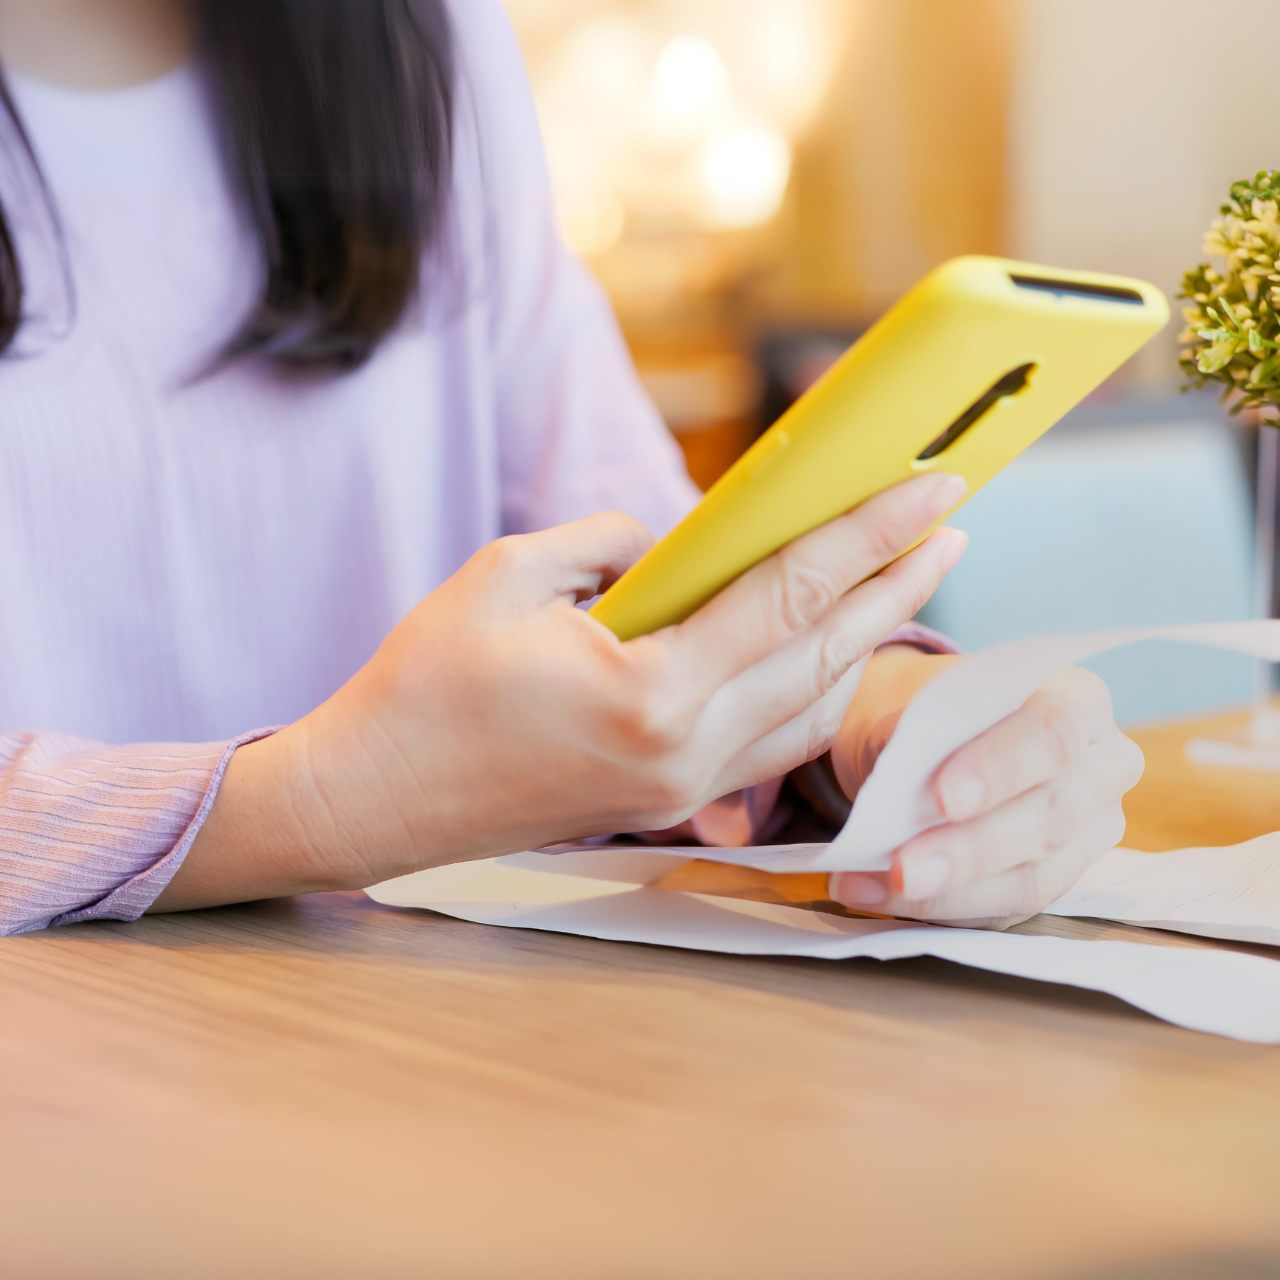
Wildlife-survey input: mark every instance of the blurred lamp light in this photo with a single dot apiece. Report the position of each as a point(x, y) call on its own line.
point(787, 59)
point(690, 85)
point(675, 115)
point(743, 173)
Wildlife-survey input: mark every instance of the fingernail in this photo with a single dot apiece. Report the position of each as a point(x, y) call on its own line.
point(955, 544)
point(962, 798)
point(858, 891)
point(924, 877)
point(950, 491)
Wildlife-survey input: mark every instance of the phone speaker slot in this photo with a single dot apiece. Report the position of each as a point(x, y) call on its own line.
point(1079, 289)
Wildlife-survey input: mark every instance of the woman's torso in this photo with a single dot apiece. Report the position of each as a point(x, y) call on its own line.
point(188, 559)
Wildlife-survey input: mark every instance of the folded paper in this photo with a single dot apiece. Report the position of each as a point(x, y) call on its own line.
point(609, 894)
point(1232, 892)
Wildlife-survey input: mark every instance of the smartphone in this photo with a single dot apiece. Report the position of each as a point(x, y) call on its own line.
point(977, 362)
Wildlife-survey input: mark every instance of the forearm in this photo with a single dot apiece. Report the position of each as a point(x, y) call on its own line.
point(327, 804)
point(894, 676)
point(249, 846)
point(278, 828)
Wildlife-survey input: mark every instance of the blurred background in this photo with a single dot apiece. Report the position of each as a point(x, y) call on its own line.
point(754, 181)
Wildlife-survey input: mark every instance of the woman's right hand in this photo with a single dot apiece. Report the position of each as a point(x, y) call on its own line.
point(497, 716)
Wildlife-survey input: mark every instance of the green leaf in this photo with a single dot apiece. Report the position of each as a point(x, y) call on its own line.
point(1218, 356)
point(1228, 317)
point(1267, 374)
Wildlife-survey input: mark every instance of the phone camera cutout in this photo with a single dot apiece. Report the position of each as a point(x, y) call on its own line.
point(1012, 384)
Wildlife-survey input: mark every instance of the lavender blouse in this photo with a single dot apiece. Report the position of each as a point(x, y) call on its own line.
point(183, 561)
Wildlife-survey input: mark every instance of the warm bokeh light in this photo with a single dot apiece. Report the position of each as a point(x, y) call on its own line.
point(743, 172)
point(690, 86)
point(680, 118)
point(788, 59)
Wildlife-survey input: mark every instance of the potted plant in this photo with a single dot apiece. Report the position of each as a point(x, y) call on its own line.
point(1232, 339)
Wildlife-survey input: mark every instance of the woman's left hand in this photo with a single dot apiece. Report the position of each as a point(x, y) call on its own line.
point(1029, 805)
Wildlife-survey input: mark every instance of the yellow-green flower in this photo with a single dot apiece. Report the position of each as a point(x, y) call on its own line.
point(1232, 333)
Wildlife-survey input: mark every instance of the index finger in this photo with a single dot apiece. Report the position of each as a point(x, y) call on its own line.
point(786, 594)
point(1041, 741)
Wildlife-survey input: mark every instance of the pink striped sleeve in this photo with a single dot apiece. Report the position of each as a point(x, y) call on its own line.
point(923, 638)
point(89, 832)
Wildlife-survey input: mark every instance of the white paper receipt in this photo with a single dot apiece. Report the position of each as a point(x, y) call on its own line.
point(1233, 892)
point(605, 893)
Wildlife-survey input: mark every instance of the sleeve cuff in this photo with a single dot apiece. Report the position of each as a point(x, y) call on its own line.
point(136, 895)
point(923, 638)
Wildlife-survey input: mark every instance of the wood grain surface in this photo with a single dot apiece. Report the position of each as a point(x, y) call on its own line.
point(326, 1087)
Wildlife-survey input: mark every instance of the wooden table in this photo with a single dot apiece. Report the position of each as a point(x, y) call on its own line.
point(324, 1087)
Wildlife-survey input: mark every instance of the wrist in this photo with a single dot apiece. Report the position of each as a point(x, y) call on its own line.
point(265, 835)
point(895, 674)
point(298, 798)
point(343, 781)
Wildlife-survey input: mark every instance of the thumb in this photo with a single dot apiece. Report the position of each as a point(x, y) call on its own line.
point(576, 561)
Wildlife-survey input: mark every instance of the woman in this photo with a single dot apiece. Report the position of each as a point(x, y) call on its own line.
point(289, 344)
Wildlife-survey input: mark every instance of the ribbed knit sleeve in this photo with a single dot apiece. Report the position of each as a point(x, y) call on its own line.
point(89, 832)
point(926, 639)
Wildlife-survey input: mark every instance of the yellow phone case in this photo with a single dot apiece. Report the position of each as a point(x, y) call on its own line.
point(976, 363)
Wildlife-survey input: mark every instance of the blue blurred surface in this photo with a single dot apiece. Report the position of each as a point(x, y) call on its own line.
point(1113, 523)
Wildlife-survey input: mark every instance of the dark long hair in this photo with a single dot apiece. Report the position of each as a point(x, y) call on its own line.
point(338, 120)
